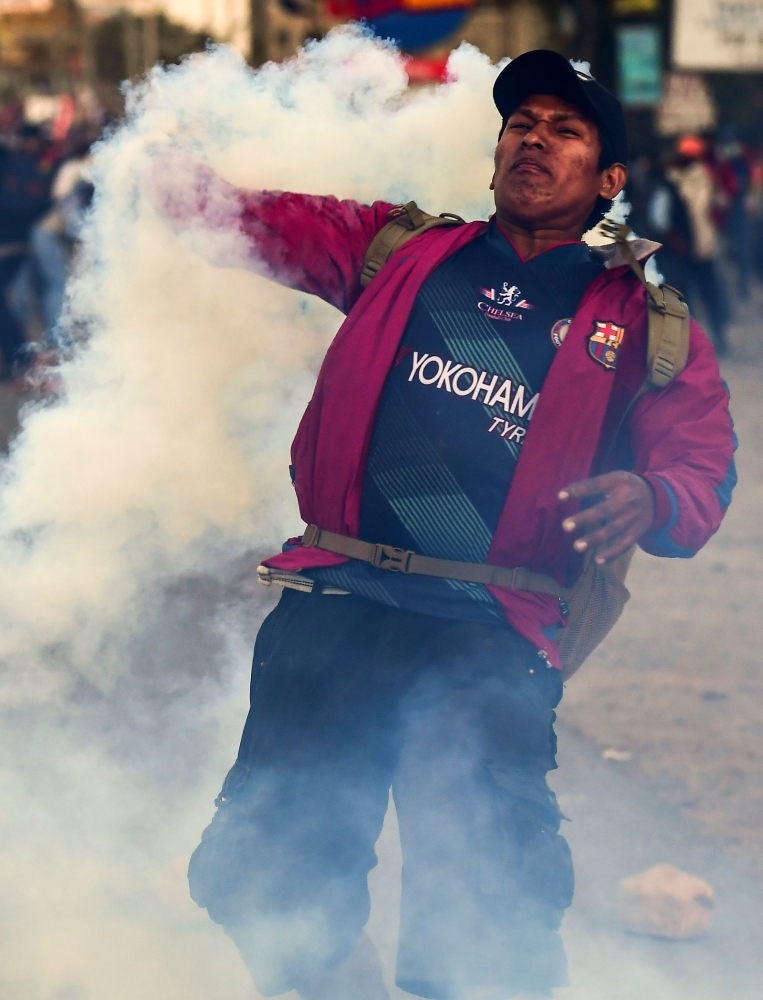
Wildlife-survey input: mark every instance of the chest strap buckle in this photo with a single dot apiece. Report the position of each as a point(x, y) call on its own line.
point(391, 558)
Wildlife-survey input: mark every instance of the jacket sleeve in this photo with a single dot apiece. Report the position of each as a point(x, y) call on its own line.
point(684, 443)
point(312, 243)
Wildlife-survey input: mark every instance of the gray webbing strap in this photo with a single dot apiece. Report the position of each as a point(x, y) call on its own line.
point(669, 320)
point(408, 221)
point(401, 561)
point(669, 331)
point(669, 336)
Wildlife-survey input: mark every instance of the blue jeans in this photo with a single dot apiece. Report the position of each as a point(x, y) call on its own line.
point(51, 252)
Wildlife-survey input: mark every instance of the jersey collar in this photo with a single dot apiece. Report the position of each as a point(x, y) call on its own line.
point(564, 254)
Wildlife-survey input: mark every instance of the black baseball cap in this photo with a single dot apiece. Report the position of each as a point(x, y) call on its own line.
point(542, 71)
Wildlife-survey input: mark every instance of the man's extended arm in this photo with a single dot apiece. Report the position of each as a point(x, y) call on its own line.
point(312, 243)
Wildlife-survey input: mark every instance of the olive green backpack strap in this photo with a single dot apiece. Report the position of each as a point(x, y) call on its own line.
point(407, 221)
point(669, 322)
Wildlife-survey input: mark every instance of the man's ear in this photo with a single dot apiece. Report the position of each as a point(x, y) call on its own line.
point(613, 180)
point(492, 182)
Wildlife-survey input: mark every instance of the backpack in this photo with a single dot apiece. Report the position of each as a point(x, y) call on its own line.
point(596, 600)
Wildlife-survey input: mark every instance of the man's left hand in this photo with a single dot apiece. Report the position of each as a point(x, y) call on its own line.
point(624, 512)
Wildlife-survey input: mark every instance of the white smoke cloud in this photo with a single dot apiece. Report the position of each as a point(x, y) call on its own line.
point(130, 509)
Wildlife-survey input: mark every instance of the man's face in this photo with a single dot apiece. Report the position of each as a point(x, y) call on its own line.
point(547, 166)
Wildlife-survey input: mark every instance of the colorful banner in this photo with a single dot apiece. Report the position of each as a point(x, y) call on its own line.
point(423, 69)
point(418, 6)
point(414, 32)
point(411, 24)
point(355, 10)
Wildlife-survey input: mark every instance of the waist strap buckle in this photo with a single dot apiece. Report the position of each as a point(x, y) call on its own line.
point(391, 558)
point(311, 536)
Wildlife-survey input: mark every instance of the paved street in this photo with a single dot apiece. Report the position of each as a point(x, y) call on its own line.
point(618, 826)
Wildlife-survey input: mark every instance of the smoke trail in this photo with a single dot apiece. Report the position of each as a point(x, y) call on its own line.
point(132, 510)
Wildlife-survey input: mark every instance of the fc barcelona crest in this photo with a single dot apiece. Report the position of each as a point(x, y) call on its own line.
point(604, 343)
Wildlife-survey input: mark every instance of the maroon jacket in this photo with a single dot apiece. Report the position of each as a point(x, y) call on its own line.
point(680, 439)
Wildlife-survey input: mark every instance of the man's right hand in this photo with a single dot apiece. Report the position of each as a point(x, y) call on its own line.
point(199, 206)
point(179, 187)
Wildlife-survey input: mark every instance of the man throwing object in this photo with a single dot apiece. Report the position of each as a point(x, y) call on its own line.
point(474, 413)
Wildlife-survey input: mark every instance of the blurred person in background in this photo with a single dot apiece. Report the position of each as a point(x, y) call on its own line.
point(54, 238)
point(680, 215)
point(11, 118)
point(737, 172)
point(643, 177)
point(27, 167)
point(755, 205)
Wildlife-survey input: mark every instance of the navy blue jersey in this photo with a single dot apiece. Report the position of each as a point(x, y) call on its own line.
point(456, 407)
